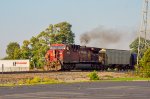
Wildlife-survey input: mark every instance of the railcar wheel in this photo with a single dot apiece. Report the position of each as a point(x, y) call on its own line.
point(98, 67)
point(95, 66)
point(105, 68)
point(72, 66)
point(118, 67)
point(66, 67)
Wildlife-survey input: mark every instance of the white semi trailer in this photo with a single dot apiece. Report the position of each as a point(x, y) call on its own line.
point(14, 65)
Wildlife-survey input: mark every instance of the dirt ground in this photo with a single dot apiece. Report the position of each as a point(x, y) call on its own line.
point(61, 76)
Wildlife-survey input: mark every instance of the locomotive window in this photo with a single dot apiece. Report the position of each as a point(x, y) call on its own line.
point(61, 47)
point(57, 47)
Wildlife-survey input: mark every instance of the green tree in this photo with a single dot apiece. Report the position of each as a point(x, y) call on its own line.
point(62, 33)
point(35, 45)
point(145, 64)
point(13, 50)
point(135, 43)
point(25, 50)
point(39, 47)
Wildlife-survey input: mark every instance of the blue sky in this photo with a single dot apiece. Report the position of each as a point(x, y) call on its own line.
point(22, 19)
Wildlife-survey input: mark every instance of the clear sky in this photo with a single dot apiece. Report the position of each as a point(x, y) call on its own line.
point(22, 19)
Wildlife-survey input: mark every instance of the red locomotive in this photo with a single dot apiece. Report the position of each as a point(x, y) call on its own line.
point(69, 57)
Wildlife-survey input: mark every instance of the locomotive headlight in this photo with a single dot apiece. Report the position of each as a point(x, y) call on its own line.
point(92, 48)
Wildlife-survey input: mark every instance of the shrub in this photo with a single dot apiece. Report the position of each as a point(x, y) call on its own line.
point(145, 74)
point(144, 69)
point(49, 81)
point(28, 81)
point(93, 76)
point(20, 82)
point(35, 80)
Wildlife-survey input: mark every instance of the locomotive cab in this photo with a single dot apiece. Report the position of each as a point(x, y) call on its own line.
point(62, 57)
point(54, 57)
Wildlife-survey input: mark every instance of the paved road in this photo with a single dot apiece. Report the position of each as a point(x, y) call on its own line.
point(95, 90)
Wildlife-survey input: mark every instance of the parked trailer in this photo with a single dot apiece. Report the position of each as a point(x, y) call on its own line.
point(14, 65)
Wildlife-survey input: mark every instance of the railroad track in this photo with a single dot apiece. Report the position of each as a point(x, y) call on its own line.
point(21, 72)
point(37, 71)
point(25, 72)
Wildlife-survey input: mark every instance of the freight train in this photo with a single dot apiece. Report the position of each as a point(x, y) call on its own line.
point(72, 57)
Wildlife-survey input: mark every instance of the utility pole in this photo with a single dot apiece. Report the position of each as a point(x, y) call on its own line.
point(143, 31)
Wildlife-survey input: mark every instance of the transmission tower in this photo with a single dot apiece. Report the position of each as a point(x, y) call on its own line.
point(144, 29)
